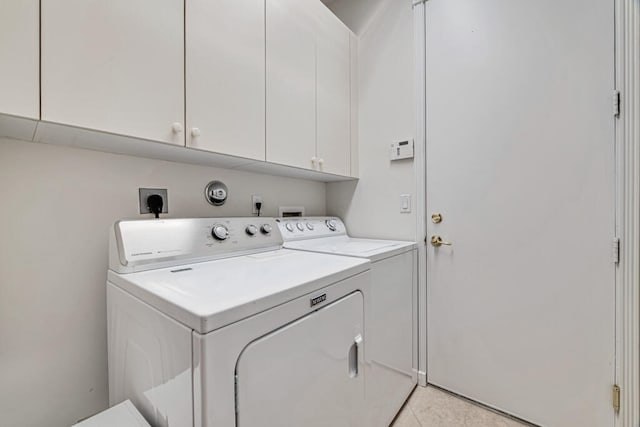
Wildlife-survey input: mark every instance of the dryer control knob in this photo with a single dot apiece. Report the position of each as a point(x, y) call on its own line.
point(331, 224)
point(300, 226)
point(289, 226)
point(251, 230)
point(220, 232)
point(310, 226)
point(266, 229)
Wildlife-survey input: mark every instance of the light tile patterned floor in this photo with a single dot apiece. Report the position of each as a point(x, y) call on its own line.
point(431, 407)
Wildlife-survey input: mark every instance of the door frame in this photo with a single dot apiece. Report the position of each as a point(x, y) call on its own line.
point(627, 129)
point(627, 205)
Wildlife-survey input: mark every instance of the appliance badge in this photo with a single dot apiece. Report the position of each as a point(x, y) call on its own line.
point(319, 299)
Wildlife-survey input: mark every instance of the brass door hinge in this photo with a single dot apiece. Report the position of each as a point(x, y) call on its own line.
point(616, 250)
point(616, 398)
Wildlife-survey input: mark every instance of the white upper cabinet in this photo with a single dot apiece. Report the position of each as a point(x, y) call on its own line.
point(19, 58)
point(115, 66)
point(333, 94)
point(225, 72)
point(291, 84)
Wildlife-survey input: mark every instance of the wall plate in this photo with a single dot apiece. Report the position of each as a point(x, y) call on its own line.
point(216, 193)
point(288, 211)
point(144, 193)
point(401, 150)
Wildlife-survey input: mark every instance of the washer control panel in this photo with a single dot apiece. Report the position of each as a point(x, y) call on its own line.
point(310, 227)
point(147, 244)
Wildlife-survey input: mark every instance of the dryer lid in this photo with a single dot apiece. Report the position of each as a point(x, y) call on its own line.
point(209, 295)
point(343, 245)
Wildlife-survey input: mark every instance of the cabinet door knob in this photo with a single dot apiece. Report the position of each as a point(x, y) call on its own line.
point(314, 159)
point(195, 132)
point(176, 128)
point(321, 161)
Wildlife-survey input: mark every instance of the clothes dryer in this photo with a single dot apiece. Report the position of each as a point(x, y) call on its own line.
point(212, 323)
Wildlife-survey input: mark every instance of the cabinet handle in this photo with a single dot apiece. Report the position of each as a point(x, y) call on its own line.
point(176, 128)
point(195, 132)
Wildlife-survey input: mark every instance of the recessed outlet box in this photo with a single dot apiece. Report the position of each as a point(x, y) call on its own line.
point(289, 211)
point(144, 194)
point(255, 199)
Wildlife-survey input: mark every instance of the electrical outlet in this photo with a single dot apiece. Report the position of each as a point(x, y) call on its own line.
point(255, 199)
point(144, 193)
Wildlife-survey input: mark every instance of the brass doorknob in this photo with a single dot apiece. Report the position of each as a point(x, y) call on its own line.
point(437, 241)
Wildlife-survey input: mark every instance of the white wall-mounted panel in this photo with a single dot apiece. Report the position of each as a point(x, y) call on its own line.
point(115, 66)
point(353, 104)
point(225, 72)
point(333, 93)
point(20, 58)
point(291, 84)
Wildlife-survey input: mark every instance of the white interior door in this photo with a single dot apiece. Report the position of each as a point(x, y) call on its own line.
point(520, 164)
point(306, 373)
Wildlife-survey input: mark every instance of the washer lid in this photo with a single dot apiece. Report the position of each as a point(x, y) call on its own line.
point(122, 415)
point(371, 249)
point(209, 295)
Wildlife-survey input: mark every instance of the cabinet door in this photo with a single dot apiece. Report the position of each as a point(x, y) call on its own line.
point(19, 56)
point(307, 373)
point(225, 71)
point(333, 91)
point(115, 66)
point(291, 84)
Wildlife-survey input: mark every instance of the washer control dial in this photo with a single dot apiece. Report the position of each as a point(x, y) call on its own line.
point(266, 229)
point(310, 226)
point(331, 224)
point(289, 227)
point(300, 226)
point(251, 230)
point(220, 232)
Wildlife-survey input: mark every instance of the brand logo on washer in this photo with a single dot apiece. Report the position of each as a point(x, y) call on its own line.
point(317, 300)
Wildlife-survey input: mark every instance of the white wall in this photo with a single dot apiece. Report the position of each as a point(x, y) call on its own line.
point(371, 207)
point(56, 208)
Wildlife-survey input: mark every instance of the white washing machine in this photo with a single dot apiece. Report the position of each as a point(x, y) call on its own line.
point(212, 323)
point(391, 307)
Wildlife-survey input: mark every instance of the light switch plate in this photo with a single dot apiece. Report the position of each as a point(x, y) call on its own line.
point(405, 203)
